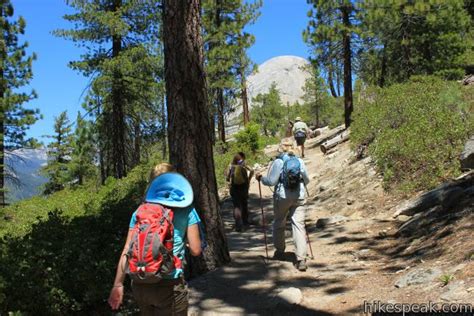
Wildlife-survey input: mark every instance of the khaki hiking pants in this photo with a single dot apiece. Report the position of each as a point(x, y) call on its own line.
point(296, 209)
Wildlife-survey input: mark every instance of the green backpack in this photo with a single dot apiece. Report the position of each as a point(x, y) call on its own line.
point(239, 175)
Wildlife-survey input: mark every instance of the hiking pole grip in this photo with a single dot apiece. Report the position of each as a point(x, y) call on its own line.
point(263, 218)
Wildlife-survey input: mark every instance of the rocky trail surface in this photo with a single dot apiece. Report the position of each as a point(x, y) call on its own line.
point(359, 253)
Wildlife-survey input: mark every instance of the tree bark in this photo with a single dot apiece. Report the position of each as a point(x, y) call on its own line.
point(348, 105)
point(137, 142)
point(331, 83)
point(220, 114)
point(119, 153)
point(190, 142)
point(244, 96)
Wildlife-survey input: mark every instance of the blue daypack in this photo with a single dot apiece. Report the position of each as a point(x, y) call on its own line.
point(291, 174)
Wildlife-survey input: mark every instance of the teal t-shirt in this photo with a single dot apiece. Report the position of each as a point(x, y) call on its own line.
point(183, 218)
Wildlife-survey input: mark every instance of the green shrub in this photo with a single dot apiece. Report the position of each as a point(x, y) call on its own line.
point(63, 262)
point(249, 137)
point(415, 131)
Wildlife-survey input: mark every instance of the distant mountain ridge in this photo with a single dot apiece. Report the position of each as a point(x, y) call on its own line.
point(26, 164)
point(289, 76)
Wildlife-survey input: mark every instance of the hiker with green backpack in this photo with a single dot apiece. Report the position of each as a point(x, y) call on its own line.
point(289, 177)
point(154, 250)
point(238, 175)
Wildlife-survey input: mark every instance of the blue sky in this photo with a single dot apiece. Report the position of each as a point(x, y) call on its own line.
point(278, 32)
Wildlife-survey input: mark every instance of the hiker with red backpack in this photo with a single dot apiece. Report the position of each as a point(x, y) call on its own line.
point(289, 177)
point(238, 175)
point(155, 247)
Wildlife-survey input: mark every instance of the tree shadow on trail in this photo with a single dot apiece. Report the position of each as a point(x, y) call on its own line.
point(250, 283)
point(249, 286)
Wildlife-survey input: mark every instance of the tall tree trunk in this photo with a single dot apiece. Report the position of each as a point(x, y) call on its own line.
point(190, 142)
point(348, 106)
point(244, 95)
point(338, 78)
point(331, 83)
point(220, 115)
point(137, 142)
point(163, 126)
point(220, 101)
point(119, 154)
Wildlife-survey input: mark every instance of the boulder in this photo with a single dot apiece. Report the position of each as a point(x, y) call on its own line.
point(467, 155)
point(419, 276)
point(287, 297)
point(455, 292)
point(446, 195)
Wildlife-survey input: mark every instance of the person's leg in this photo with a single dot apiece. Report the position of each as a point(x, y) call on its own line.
point(236, 201)
point(280, 210)
point(245, 205)
point(180, 299)
point(297, 217)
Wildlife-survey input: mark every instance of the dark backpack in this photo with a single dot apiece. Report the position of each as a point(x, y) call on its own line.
point(291, 176)
point(150, 255)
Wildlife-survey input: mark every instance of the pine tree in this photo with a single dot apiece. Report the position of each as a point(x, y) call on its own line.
point(122, 58)
point(83, 152)
point(190, 142)
point(59, 155)
point(268, 111)
point(315, 94)
point(15, 73)
point(405, 38)
point(331, 33)
point(227, 63)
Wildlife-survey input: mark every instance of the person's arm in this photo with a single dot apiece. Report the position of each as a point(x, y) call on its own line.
point(227, 172)
point(194, 240)
point(273, 175)
point(304, 172)
point(116, 294)
point(251, 172)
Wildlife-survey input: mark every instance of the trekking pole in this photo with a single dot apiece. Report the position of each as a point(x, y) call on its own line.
point(263, 218)
point(308, 241)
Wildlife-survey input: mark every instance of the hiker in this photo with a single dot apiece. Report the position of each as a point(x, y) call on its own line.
point(289, 177)
point(168, 296)
point(300, 132)
point(238, 176)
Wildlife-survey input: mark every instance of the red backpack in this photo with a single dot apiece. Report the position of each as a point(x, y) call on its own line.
point(150, 255)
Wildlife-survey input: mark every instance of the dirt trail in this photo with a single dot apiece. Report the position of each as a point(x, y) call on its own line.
point(359, 258)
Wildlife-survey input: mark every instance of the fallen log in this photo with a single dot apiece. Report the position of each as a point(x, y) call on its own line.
point(333, 142)
point(316, 142)
point(320, 131)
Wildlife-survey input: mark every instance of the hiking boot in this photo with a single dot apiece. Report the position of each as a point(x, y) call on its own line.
point(301, 265)
point(279, 255)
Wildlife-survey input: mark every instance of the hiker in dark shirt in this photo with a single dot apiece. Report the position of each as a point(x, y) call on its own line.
point(238, 175)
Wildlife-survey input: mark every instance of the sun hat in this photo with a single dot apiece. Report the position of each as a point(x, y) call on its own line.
point(298, 119)
point(170, 189)
point(286, 145)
